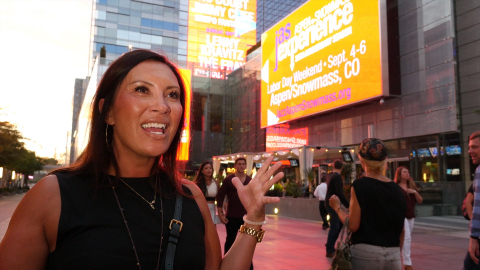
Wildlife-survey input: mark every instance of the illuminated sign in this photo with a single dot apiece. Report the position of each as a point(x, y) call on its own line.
point(219, 34)
point(325, 55)
point(183, 150)
point(282, 137)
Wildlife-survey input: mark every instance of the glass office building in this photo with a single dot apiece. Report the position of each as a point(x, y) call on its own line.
point(123, 25)
point(269, 12)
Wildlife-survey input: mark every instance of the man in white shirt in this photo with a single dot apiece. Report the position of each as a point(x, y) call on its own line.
point(320, 193)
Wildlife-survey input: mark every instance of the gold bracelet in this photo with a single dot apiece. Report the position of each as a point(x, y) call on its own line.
point(255, 233)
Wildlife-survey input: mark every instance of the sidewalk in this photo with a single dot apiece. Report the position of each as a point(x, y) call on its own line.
point(7, 207)
point(437, 243)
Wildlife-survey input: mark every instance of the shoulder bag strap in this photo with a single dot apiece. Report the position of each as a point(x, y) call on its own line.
point(175, 228)
point(347, 238)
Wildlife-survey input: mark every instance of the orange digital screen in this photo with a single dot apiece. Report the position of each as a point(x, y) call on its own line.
point(219, 34)
point(282, 137)
point(325, 55)
point(184, 148)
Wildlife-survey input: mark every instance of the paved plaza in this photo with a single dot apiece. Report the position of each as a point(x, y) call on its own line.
point(437, 242)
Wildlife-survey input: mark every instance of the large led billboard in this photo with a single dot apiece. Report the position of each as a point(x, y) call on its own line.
point(219, 34)
point(325, 55)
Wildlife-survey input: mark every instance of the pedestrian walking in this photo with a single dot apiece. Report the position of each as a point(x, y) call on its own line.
point(335, 187)
point(320, 193)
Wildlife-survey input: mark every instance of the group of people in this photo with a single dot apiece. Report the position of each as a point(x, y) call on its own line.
point(236, 212)
point(122, 204)
point(380, 211)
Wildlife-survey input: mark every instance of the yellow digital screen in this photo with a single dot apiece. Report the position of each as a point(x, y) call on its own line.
point(325, 55)
point(219, 34)
point(184, 148)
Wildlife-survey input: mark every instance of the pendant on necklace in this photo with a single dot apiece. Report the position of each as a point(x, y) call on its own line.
point(151, 204)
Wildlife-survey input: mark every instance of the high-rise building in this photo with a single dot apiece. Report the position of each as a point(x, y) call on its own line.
point(123, 25)
point(269, 12)
point(80, 89)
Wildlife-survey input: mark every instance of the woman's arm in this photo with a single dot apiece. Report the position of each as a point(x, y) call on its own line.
point(32, 232)
point(354, 211)
point(418, 198)
point(212, 242)
point(253, 199)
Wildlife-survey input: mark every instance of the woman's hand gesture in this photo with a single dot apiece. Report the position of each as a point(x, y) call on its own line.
point(253, 196)
point(334, 202)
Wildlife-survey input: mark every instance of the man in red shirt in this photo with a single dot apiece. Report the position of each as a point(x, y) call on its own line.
point(235, 210)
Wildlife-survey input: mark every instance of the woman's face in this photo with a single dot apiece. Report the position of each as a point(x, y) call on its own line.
point(207, 170)
point(405, 174)
point(146, 111)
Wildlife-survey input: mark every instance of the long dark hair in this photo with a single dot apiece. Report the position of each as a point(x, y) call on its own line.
point(98, 156)
point(200, 179)
point(398, 177)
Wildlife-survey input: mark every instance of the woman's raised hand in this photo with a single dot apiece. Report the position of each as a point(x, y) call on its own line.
point(253, 196)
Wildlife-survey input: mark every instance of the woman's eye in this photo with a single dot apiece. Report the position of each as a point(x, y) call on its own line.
point(141, 89)
point(174, 95)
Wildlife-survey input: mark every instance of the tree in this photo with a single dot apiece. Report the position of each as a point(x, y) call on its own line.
point(27, 162)
point(13, 154)
point(103, 52)
point(47, 161)
point(10, 144)
point(310, 174)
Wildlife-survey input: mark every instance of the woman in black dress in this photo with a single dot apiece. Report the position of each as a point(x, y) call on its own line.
point(114, 207)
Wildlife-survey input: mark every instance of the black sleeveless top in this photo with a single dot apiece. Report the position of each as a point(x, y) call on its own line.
point(92, 234)
point(383, 209)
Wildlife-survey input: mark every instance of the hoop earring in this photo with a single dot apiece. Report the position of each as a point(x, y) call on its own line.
point(106, 137)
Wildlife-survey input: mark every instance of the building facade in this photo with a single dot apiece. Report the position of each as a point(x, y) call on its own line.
point(80, 89)
point(162, 26)
point(123, 25)
point(427, 124)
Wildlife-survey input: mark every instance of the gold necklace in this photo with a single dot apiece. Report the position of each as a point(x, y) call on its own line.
point(128, 228)
point(134, 191)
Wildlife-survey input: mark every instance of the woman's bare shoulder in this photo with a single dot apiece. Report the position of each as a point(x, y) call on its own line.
point(42, 194)
point(33, 227)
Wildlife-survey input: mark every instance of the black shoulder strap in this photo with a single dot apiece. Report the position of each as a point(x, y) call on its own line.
point(175, 228)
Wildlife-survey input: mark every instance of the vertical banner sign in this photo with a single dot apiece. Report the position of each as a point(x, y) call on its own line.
point(183, 151)
point(324, 55)
point(219, 34)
